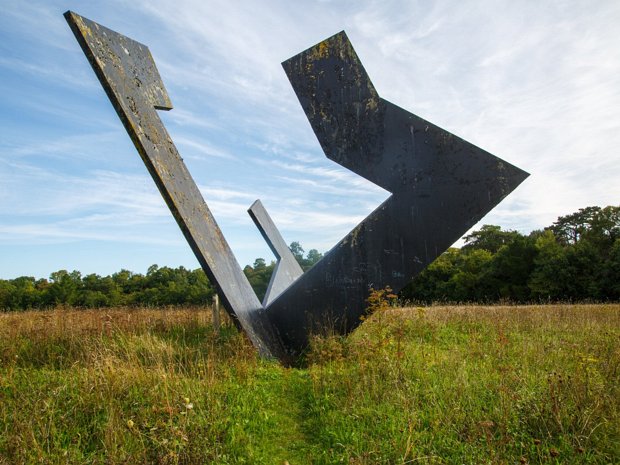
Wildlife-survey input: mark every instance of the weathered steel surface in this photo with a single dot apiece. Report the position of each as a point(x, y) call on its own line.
point(287, 270)
point(441, 185)
point(128, 74)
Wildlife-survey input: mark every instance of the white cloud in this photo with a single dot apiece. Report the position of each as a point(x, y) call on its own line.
point(202, 147)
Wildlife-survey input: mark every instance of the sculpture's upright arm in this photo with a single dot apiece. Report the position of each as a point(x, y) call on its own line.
point(128, 74)
point(287, 270)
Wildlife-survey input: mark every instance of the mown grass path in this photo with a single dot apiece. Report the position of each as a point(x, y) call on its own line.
point(536, 384)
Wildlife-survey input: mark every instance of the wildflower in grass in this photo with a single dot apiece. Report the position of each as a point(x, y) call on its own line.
point(130, 423)
point(379, 300)
point(188, 404)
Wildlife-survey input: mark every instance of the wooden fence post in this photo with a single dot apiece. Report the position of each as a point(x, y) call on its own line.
point(216, 314)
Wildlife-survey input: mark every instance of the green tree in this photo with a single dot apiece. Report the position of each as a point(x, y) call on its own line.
point(200, 290)
point(312, 257)
point(259, 264)
point(64, 287)
point(465, 284)
point(549, 275)
point(431, 285)
point(610, 275)
point(26, 295)
point(259, 276)
point(604, 228)
point(570, 228)
point(298, 252)
point(8, 293)
point(584, 272)
point(510, 270)
point(489, 238)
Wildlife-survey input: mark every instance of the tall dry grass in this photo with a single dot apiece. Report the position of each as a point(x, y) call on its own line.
point(444, 384)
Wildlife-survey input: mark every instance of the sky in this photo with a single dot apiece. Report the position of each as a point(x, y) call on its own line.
point(535, 83)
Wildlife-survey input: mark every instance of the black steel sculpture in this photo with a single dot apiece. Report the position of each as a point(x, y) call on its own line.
point(441, 185)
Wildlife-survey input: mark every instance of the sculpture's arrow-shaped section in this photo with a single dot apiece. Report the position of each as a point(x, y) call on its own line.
point(287, 270)
point(441, 186)
point(128, 74)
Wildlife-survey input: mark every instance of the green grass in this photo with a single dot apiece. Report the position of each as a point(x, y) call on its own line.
point(538, 384)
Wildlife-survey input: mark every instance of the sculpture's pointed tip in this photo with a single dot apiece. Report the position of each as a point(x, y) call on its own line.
point(515, 177)
point(255, 204)
point(339, 39)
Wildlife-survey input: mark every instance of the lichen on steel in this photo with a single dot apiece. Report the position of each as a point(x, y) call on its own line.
point(440, 186)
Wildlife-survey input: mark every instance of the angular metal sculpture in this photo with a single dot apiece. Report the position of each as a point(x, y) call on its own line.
point(441, 185)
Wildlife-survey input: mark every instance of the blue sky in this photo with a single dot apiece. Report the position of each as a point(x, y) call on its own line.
point(535, 83)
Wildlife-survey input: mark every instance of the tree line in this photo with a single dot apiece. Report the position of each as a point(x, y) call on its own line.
point(577, 258)
point(160, 286)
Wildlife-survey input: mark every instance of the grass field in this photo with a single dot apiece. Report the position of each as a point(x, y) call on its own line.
point(535, 384)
